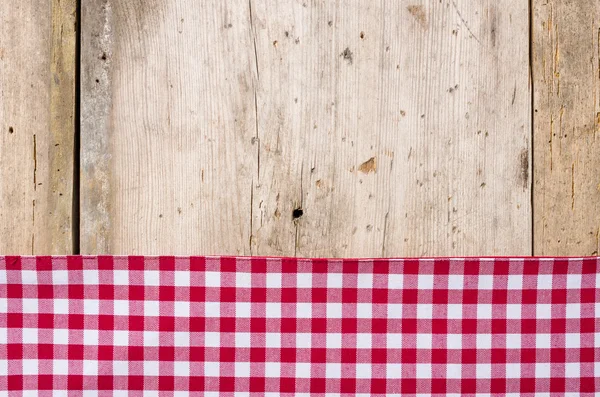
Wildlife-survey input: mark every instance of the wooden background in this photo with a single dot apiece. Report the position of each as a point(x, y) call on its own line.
point(321, 128)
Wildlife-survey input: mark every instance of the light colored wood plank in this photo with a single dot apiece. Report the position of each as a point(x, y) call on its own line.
point(566, 55)
point(37, 91)
point(398, 128)
point(167, 125)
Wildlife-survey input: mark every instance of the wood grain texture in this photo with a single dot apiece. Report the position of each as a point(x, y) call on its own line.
point(37, 93)
point(400, 128)
point(308, 128)
point(168, 120)
point(566, 69)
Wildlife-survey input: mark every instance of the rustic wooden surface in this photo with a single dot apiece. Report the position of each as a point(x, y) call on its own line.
point(168, 122)
point(566, 69)
point(37, 69)
point(338, 128)
point(309, 128)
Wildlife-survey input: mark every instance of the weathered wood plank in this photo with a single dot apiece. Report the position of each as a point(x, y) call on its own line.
point(37, 105)
point(566, 70)
point(315, 128)
point(399, 128)
point(167, 125)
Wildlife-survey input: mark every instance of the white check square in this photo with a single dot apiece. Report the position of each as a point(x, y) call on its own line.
point(573, 341)
point(60, 367)
point(151, 278)
point(484, 311)
point(333, 370)
point(212, 279)
point(151, 368)
point(454, 341)
point(456, 281)
point(242, 369)
point(454, 371)
point(151, 308)
point(303, 340)
point(30, 306)
point(572, 370)
point(513, 341)
point(242, 339)
point(60, 277)
point(574, 281)
point(513, 370)
point(243, 280)
point(542, 341)
point(212, 339)
point(61, 306)
point(30, 367)
point(424, 341)
point(273, 340)
point(182, 278)
point(151, 338)
point(182, 339)
point(393, 371)
point(91, 277)
point(425, 281)
point(304, 280)
point(334, 310)
point(30, 335)
point(543, 311)
point(274, 280)
point(182, 309)
point(121, 277)
point(365, 280)
point(29, 277)
point(542, 370)
point(515, 281)
point(455, 311)
point(212, 369)
point(485, 282)
point(544, 281)
point(334, 280)
point(181, 368)
point(573, 310)
point(484, 341)
point(425, 310)
point(90, 367)
point(303, 310)
point(121, 338)
point(394, 310)
point(395, 281)
point(364, 310)
point(423, 371)
point(394, 341)
point(363, 371)
point(91, 306)
point(333, 341)
point(303, 370)
point(483, 371)
point(513, 311)
point(272, 369)
point(120, 368)
point(90, 337)
point(364, 341)
point(212, 309)
point(273, 310)
point(60, 336)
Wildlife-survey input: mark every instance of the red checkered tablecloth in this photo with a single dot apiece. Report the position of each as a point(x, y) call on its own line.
point(147, 326)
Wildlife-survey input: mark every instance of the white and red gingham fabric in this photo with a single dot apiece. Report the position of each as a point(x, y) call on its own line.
point(96, 326)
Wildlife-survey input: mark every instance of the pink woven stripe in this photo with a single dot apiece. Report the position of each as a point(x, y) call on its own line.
point(254, 326)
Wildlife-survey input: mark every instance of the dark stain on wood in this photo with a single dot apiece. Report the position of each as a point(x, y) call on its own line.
point(418, 13)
